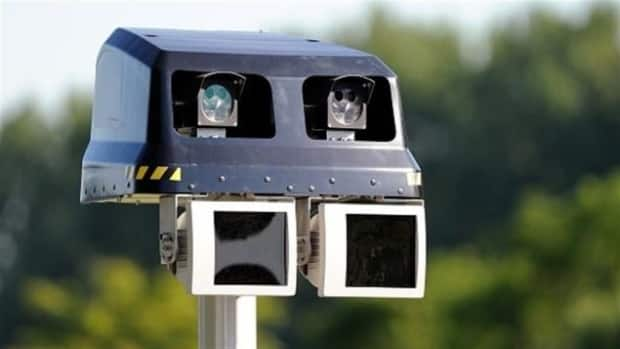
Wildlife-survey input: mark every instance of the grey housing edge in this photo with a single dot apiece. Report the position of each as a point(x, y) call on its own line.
point(132, 123)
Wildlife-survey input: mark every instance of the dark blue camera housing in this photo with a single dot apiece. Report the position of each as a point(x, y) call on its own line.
point(146, 85)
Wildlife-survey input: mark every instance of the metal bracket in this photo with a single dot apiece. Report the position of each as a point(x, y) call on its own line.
point(168, 236)
point(210, 132)
point(340, 135)
point(302, 208)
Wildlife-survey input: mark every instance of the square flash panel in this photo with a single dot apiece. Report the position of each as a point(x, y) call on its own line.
point(250, 248)
point(381, 251)
point(369, 250)
point(240, 248)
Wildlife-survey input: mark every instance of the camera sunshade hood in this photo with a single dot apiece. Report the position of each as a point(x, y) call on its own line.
point(135, 154)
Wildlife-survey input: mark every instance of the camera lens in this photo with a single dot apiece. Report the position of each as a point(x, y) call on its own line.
point(346, 106)
point(217, 103)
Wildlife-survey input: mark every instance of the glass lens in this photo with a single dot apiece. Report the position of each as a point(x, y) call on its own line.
point(380, 251)
point(217, 103)
point(346, 106)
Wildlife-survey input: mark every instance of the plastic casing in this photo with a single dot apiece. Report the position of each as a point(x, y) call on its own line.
point(132, 122)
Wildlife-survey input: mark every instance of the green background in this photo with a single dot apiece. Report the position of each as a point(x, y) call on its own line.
point(521, 163)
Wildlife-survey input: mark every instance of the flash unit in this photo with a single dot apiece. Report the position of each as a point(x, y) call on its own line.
point(368, 250)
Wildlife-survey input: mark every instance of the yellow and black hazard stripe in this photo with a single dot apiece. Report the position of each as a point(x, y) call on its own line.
point(158, 173)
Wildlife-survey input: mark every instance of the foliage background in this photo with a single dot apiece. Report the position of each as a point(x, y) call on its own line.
point(522, 178)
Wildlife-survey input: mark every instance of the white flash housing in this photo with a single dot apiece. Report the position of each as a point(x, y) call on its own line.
point(234, 247)
point(368, 250)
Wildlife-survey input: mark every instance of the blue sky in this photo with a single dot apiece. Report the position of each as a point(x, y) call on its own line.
point(46, 48)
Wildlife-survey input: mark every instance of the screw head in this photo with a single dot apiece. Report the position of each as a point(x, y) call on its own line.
point(332, 180)
point(289, 187)
point(373, 181)
point(221, 179)
point(191, 186)
point(267, 179)
point(311, 188)
point(401, 190)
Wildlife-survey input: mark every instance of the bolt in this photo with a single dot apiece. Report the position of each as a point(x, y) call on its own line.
point(289, 187)
point(267, 179)
point(311, 188)
point(332, 180)
point(191, 186)
point(401, 190)
point(373, 182)
point(221, 179)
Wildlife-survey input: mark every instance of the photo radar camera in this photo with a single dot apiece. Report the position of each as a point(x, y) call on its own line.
point(266, 154)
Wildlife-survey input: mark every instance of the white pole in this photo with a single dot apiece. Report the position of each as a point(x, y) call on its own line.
point(226, 322)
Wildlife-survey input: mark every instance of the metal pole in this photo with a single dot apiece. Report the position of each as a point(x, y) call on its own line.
point(226, 322)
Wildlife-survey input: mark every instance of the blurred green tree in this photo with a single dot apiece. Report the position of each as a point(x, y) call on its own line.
point(122, 307)
point(46, 229)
